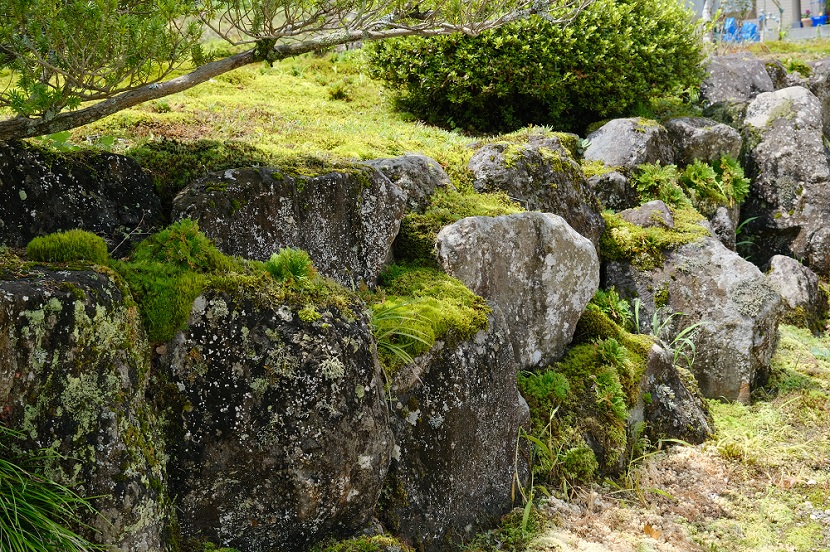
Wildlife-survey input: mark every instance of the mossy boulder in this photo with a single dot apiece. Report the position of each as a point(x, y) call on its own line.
point(539, 172)
point(789, 202)
point(534, 267)
point(280, 429)
point(74, 373)
point(45, 192)
point(456, 414)
point(702, 282)
point(346, 218)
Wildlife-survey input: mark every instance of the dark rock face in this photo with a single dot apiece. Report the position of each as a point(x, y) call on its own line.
point(737, 310)
point(704, 139)
point(74, 367)
point(543, 176)
point(737, 77)
point(626, 143)
point(532, 266)
point(285, 438)
point(103, 193)
point(671, 406)
point(781, 78)
point(456, 422)
point(417, 175)
point(804, 302)
point(614, 191)
point(346, 221)
point(790, 191)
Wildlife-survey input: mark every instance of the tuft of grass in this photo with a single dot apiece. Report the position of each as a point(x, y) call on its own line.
point(72, 245)
point(37, 514)
point(416, 306)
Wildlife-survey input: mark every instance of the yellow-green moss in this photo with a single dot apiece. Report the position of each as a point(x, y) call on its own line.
point(72, 245)
point(416, 240)
point(644, 247)
point(378, 543)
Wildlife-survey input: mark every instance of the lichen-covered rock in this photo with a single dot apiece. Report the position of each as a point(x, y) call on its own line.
point(532, 266)
point(737, 77)
point(284, 437)
point(698, 138)
point(417, 175)
point(74, 367)
point(729, 297)
point(819, 84)
point(804, 302)
point(614, 191)
point(790, 194)
point(104, 193)
point(346, 220)
point(627, 143)
point(542, 176)
point(670, 403)
point(456, 418)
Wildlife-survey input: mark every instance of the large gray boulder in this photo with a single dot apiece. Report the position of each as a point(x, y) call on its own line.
point(790, 194)
point(627, 143)
point(705, 283)
point(542, 175)
point(74, 368)
point(284, 437)
point(345, 219)
point(701, 138)
point(805, 304)
point(533, 267)
point(417, 175)
point(104, 193)
point(456, 417)
point(734, 78)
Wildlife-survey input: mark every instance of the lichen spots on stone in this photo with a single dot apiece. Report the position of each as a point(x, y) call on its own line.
point(752, 296)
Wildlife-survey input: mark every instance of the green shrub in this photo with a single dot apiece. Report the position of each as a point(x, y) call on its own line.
point(656, 181)
point(290, 265)
point(614, 307)
point(614, 55)
point(73, 245)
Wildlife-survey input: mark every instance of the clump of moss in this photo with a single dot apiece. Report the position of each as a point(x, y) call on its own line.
point(416, 239)
point(644, 247)
point(290, 265)
point(72, 245)
point(418, 305)
point(378, 543)
point(511, 535)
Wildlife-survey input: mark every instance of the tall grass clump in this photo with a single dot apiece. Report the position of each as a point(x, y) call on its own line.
point(37, 514)
point(72, 245)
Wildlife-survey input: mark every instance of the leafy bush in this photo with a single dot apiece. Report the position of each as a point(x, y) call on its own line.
point(536, 72)
point(36, 513)
point(73, 245)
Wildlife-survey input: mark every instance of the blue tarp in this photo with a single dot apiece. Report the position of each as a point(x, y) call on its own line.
point(748, 32)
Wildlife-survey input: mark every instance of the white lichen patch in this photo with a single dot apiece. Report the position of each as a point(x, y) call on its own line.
point(333, 368)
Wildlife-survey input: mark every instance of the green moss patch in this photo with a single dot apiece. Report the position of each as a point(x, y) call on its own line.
point(416, 240)
point(378, 543)
point(72, 245)
point(644, 247)
point(417, 306)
